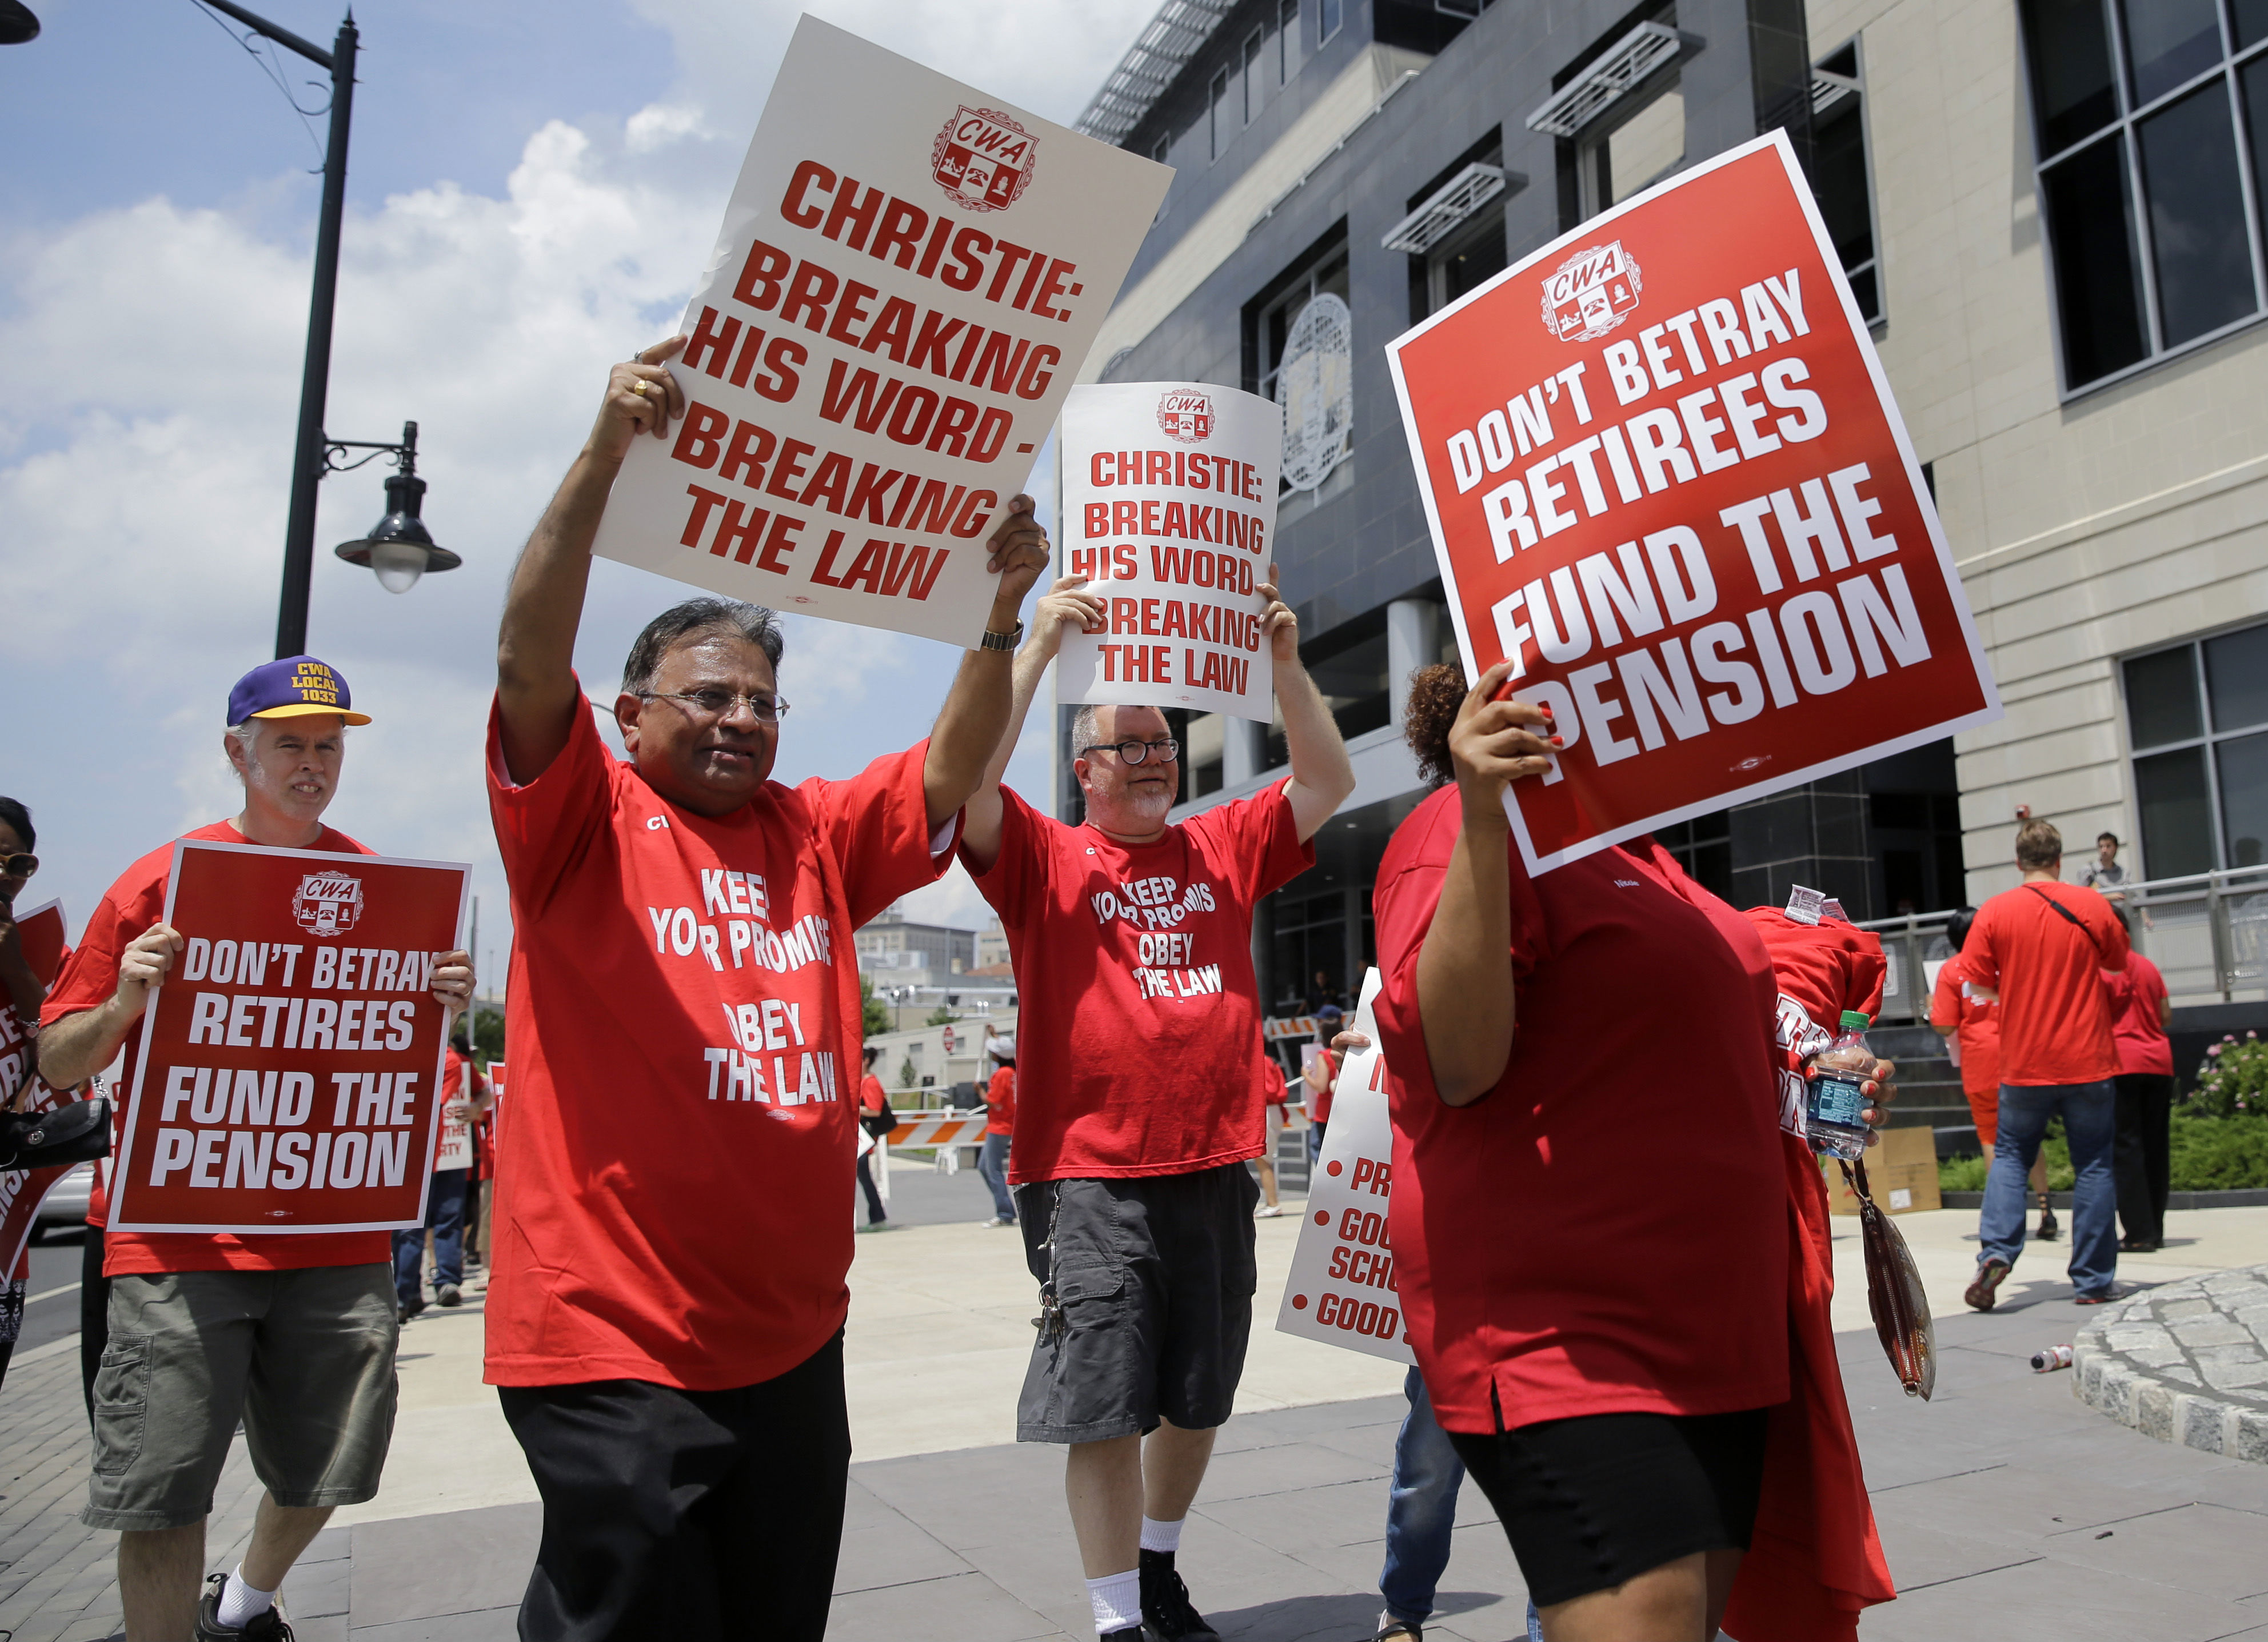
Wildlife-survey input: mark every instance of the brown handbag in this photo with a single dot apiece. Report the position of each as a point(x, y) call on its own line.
point(1894, 1293)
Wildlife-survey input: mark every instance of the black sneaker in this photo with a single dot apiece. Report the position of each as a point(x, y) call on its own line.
point(450, 1294)
point(1167, 1615)
point(2049, 1226)
point(267, 1625)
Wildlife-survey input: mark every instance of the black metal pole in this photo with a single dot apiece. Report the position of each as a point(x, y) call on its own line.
point(314, 380)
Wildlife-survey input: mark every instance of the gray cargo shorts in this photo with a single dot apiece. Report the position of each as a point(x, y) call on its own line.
point(1145, 1302)
point(305, 1358)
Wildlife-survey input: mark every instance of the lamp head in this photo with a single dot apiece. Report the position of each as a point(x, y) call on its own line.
point(398, 548)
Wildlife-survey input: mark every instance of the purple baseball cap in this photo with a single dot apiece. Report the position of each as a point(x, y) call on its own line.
point(294, 688)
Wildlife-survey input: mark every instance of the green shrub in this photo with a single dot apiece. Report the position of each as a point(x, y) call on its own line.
point(2208, 1154)
point(2232, 1078)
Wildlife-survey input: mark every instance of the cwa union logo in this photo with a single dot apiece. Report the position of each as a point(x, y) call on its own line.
point(984, 158)
point(1591, 293)
point(1186, 415)
point(327, 903)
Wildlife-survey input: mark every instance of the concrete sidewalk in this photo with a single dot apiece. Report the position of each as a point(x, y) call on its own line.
point(2009, 1510)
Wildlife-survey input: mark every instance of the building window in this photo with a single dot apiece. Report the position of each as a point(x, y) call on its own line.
point(1703, 848)
point(1310, 950)
point(1644, 144)
point(2147, 187)
point(1254, 73)
point(1287, 39)
point(1203, 736)
point(1304, 360)
point(1330, 15)
point(1843, 173)
point(1217, 116)
point(1159, 149)
point(2196, 718)
point(1468, 259)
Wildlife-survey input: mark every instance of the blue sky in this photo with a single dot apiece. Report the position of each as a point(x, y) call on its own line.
point(533, 190)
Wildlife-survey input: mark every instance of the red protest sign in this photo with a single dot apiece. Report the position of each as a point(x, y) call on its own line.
point(290, 1064)
point(40, 930)
point(1664, 475)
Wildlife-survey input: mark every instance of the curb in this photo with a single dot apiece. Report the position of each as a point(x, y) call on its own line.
point(2104, 1380)
point(2244, 1197)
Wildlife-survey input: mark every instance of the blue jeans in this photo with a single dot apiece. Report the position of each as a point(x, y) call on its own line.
point(2090, 1121)
point(1421, 1508)
point(445, 1217)
point(992, 1164)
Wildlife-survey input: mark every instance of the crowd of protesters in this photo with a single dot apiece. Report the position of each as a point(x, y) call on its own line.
point(1653, 1410)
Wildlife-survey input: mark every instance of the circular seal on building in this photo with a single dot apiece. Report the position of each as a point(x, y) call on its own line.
point(1315, 385)
point(983, 160)
point(1185, 415)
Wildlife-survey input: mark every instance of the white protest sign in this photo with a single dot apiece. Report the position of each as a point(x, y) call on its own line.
point(1341, 1290)
point(909, 273)
point(1168, 507)
point(455, 1150)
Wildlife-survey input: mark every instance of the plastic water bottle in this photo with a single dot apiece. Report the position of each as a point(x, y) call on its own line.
point(2054, 1358)
point(1832, 1117)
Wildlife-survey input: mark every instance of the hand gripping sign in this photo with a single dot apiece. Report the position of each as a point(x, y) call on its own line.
point(1341, 1290)
point(1667, 480)
point(909, 274)
point(290, 1063)
point(1169, 509)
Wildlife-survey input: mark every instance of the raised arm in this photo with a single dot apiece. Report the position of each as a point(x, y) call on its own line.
point(536, 696)
point(1465, 999)
point(968, 726)
point(1322, 778)
point(1063, 606)
point(77, 1047)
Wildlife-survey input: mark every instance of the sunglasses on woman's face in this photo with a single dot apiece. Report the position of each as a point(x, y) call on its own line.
point(18, 865)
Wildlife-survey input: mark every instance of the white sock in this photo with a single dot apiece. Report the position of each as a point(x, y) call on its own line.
point(1165, 1536)
point(1118, 1601)
point(241, 1599)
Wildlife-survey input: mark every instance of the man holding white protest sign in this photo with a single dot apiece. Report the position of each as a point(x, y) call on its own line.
point(667, 1292)
point(1139, 1096)
point(291, 1332)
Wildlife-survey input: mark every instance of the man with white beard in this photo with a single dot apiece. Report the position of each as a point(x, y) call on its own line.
point(1139, 1096)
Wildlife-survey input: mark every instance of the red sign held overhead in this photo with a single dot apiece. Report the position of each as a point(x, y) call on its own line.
point(290, 1063)
point(1685, 508)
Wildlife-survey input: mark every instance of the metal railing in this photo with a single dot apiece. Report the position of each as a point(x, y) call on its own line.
point(2207, 933)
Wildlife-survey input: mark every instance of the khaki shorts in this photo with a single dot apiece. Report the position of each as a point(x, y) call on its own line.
point(305, 1358)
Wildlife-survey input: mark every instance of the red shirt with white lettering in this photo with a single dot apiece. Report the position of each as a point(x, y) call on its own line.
point(128, 910)
point(685, 1024)
point(1975, 1021)
point(2055, 1016)
point(1140, 1024)
point(1541, 1273)
point(2137, 1032)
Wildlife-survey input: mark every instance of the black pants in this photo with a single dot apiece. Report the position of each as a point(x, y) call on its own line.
point(673, 1514)
point(2142, 1160)
point(874, 1215)
point(93, 1314)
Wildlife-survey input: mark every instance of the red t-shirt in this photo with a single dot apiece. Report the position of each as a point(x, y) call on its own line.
point(1540, 1254)
point(872, 1096)
point(1141, 1018)
point(1272, 1089)
point(1318, 1100)
point(2138, 995)
point(127, 910)
point(1822, 969)
point(1975, 1020)
point(2055, 1016)
point(685, 1025)
point(1000, 1103)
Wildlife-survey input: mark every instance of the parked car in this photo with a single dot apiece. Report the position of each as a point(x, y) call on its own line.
point(65, 1207)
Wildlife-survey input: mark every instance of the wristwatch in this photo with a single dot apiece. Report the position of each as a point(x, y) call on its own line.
point(1002, 641)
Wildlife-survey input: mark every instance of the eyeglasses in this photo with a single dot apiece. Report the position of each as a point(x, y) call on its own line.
point(718, 703)
point(19, 865)
point(1138, 751)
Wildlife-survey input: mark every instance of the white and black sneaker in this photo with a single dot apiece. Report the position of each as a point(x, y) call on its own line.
point(267, 1625)
point(1167, 1613)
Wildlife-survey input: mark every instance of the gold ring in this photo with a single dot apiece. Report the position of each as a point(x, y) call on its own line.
point(638, 387)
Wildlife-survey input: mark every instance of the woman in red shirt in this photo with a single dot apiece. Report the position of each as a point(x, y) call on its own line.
point(1607, 1340)
point(2139, 1013)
